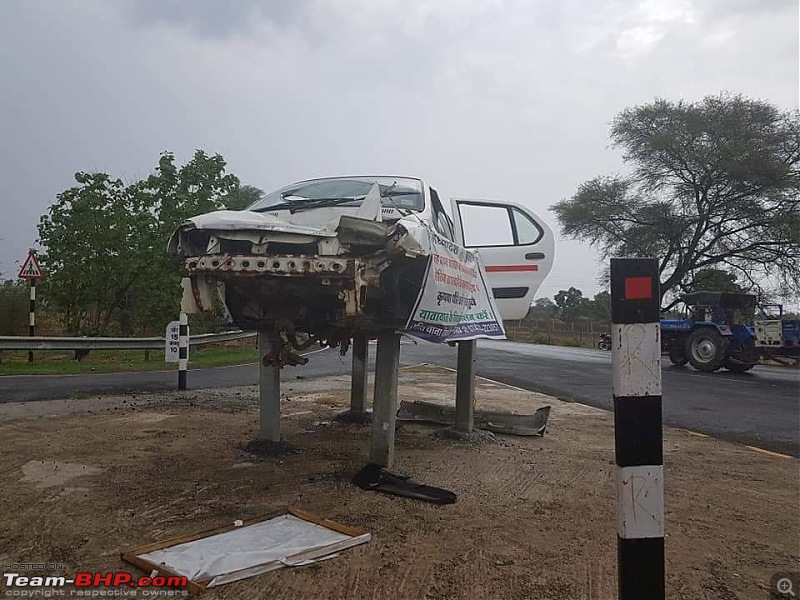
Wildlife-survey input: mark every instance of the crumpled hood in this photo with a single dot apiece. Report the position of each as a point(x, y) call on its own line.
point(302, 227)
point(237, 220)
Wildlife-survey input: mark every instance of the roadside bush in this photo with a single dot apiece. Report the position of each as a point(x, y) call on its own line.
point(13, 308)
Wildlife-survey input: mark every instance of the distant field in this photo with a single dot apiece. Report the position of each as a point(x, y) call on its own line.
point(112, 361)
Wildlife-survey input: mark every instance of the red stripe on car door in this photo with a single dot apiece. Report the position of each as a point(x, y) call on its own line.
point(509, 268)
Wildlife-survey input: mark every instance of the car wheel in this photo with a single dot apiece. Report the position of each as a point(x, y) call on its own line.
point(677, 357)
point(706, 348)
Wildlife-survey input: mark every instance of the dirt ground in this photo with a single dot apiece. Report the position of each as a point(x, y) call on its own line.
point(82, 480)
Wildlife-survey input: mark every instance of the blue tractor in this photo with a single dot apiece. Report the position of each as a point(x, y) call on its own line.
point(727, 330)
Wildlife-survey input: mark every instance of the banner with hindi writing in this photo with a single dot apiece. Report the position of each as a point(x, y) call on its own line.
point(454, 303)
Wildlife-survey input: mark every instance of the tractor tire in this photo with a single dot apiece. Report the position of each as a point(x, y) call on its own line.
point(677, 357)
point(706, 349)
point(737, 367)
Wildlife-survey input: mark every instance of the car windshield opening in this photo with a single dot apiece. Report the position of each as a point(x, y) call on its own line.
point(396, 192)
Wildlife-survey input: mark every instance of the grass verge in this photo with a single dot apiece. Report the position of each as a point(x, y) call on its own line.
point(115, 361)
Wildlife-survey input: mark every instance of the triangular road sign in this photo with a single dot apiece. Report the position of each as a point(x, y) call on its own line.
point(30, 268)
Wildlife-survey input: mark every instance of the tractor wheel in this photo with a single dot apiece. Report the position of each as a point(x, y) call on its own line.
point(677, 357)
point(737, 367)
point(706, 349)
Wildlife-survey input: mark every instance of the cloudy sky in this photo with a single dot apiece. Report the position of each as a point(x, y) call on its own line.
point(504, 99)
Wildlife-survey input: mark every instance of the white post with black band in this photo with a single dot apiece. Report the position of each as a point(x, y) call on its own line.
point(32, 315)
point(636, 377)
point(183, 350)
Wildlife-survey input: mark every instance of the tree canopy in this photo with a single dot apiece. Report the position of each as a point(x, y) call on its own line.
point(713, 183)
point(716, 280)
point(105, 243)
point(241, 197)
point(569, 303)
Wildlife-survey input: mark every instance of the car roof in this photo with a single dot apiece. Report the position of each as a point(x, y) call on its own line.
point(356, 177)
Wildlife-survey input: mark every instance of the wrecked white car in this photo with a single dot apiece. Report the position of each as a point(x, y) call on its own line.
point(338, 256)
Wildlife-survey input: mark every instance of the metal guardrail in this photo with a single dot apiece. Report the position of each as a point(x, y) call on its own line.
point(112, 343)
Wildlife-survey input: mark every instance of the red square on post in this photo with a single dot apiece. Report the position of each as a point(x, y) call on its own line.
point(638, 288)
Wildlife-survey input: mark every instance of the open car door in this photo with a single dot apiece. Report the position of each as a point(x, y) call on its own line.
point(516, 247)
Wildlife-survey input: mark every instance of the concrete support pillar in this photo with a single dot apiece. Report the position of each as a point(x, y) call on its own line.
point(384, 404)
point(358, 387)
point(465, 387)
point(269, 402)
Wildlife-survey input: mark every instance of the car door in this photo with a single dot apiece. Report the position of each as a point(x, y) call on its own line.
point(516, 247)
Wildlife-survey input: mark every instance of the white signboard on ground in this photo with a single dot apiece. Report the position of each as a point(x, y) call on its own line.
point(455, 303)
point(171, 346)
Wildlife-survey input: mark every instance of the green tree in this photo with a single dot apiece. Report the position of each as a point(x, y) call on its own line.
point(543, 307)
point(713, 184)
point(599, 307)
point(91, 237)
point(241, 197)
point(716, 280)
point(569, 303)
point(105, 244)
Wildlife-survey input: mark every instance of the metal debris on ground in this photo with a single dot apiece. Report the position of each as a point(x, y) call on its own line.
point(494, 421)
point(374, 477)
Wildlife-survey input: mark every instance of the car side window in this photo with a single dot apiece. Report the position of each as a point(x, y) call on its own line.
point(528, 232)
point(487, 225)
point(441, 221)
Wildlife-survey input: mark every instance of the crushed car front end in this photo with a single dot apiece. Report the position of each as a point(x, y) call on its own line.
point(327, 268)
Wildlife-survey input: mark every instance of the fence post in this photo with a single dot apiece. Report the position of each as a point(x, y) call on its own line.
point(636, 385)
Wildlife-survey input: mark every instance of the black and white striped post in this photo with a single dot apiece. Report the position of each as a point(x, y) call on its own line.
point(32, 315)
point(636, 366)
point(31, 270)
point(183, 350)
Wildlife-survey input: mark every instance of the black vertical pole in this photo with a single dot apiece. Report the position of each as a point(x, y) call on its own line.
point(32, 315)
point(636, 374)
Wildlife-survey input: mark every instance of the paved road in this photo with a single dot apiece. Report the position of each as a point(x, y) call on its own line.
point(761, 408)
point(26, 388)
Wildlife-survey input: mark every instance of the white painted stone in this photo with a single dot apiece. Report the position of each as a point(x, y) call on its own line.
point(640, 502)
point(636, 359)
